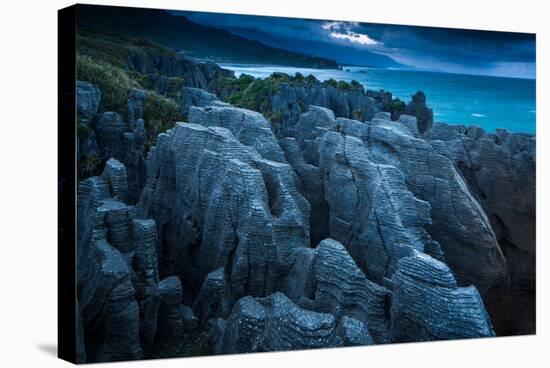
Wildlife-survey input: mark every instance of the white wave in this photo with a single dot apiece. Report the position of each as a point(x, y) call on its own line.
point(476, 115)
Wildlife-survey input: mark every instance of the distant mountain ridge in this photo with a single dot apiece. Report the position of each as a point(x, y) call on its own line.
point(195, 40)
point(342, 54)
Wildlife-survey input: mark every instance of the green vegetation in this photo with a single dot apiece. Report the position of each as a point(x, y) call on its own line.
point(83, 130)
point(357, 114)
point(88, 164)
point(114, 82)
point(102, 59)
point(395, 106)
point(256, 94)
point(344, 86)
point(160, 113)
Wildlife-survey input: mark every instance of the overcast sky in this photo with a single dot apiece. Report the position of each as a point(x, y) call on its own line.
point(438, 49)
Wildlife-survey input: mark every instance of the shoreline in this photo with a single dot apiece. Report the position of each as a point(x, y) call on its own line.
point(324, 74)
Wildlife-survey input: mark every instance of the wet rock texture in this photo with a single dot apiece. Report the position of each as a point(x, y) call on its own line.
point(231, 238)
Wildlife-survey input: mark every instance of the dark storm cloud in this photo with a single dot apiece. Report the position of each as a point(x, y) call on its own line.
point(453, 50)
point(455, 44)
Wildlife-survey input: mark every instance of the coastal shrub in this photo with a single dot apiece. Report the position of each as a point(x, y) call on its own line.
point(113, 82)
point(298, 77)
point(355, 85)
point(159, 113)
point(276, 117)
point(88, 164)
point(395, 105)
point(357, 114)
point(174, 86)
point(398, 106)
point(344, 86)
point(232, 88)
point(83, 130)
point(257, 95)
point(311, 79)
point(331, 82)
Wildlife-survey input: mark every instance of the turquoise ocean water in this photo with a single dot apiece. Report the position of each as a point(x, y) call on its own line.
point(489, 102)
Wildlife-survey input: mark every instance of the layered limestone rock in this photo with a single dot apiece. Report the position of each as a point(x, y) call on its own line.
point(218, 202)
point(196, 97)
point(371, 210)
point(275, 323)
point(170, 319)
point(417, 107)
point(339, 233)
point(214, 299)
point(428, 305)
point(125, 143)
point(459, 223)
point(88, 97)
point(390, 193)
point(134, 105)
point(115, 174)
point(145, 248)
point(109, 135)
point(124, 308)
point(291, 101)
point(248, 127)
point(341, 289)
point(354, 332)
point(109, 297)
point(486, 161)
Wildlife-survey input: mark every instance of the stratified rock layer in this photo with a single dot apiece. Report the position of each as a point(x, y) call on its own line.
point(218, 202)
point(275, 323)
point(428, 305)
point(327, 232)
point(500, 170)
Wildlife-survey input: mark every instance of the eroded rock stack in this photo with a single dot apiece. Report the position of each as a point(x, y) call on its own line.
point(428, 305)
point(291, 101)
point(500, 171)
point(335, 232)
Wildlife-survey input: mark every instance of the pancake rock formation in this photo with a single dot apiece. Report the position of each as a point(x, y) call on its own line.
point(232, 236)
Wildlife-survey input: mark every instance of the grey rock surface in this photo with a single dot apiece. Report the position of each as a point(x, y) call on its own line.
point(459, 223)
point(342, 289)
point(428, 305)
point(275, 323)
point(214, 299)
point(417, 107)
point(291, 101)
point(235, 235)
point(196, 97)
point(353, 332)
point(220, 204)
point(88, 97)
point(487, 161)
point(248, 127)
point(110, 134)
point(115, 174)
point(134, 105)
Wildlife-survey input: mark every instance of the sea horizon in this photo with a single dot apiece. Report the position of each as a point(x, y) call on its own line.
point(488, 101)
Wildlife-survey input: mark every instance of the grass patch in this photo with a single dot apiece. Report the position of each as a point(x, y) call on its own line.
point(83, 130)
point(114, 82)
point(88, 164)
point(396, 106)
point(159, 113)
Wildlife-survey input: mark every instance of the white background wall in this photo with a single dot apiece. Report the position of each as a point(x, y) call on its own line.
point(28, 188)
